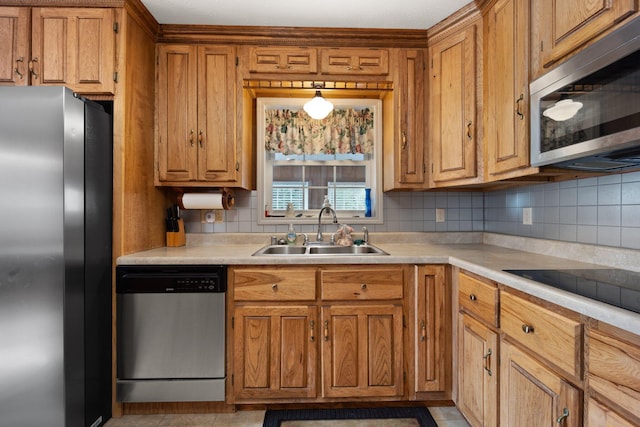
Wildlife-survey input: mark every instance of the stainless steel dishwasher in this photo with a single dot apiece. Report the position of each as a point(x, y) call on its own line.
point(170, 333)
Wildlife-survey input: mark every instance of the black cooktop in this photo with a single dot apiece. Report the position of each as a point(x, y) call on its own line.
point(620, 288)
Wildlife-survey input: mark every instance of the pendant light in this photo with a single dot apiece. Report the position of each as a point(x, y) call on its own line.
point(563, 110)
point(318, 107)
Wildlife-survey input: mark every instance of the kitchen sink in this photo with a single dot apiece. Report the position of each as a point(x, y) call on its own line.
point(319, 250)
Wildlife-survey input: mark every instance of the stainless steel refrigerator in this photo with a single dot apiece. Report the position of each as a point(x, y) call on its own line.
point(55, 258)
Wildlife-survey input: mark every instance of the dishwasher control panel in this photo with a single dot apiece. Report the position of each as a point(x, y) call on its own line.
point(170, 278)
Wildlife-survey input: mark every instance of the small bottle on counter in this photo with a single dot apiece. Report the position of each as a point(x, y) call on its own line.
point(291, 235)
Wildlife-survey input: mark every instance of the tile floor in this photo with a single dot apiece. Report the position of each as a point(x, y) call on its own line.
point(444, 416)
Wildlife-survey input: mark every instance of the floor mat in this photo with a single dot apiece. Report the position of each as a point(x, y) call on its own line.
point(421, 415)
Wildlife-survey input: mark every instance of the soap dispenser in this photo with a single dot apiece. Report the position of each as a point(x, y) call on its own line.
point(291, 235)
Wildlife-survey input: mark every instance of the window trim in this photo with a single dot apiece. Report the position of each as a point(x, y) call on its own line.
point(265, 174)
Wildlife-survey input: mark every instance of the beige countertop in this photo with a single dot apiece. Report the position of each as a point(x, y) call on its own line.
point(485, 254)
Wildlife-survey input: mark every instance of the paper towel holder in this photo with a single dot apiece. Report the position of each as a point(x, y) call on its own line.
point(227, 197)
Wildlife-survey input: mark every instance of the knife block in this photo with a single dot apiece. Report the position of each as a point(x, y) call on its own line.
point(177, 238)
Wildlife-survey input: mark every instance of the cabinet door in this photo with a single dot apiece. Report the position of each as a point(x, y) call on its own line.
point(599, 415)
point(506, 86)
point(561, 27)
point(301, 60)
point(477, 372)
point(274, 352)
point(217, 156)
point(362, 350)
point(433, 318)
point(354, 61)
point(74, 47)
point(533, 395)
point(14, 49)
point(452, 121)
point(405, 163)
point(176, 142)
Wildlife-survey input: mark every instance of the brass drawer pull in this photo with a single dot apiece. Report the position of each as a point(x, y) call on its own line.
point(564, 416)
point(312, 325)
point(527, 329)
point(326, 330)
point(487, 362)
point(363, 286)
point(274, 287)
point(423, 330)
point(472, 297)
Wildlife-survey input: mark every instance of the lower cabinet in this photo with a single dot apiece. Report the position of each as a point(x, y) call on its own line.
point(276, 353)
point(362, 350)
point(335, 333)
point(533, 395)
point(478, 372)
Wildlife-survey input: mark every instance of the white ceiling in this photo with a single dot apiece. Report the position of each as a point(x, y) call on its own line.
point(396, 14)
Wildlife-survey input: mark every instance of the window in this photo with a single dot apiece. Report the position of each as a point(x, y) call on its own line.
point(302, 161)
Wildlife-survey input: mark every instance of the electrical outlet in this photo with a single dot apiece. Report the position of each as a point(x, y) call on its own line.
point(219, 215)
point(527, 216)
point(439, 215)
point(207, 217)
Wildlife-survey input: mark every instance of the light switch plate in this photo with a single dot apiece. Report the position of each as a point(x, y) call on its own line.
point(527, 216)
point(439, 215)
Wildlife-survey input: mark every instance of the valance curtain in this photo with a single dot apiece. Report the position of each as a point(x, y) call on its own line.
point(344, 131)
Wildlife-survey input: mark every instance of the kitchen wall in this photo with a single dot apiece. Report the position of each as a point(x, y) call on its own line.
point(603, 211)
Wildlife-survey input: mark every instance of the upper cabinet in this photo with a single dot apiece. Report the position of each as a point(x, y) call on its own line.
point(266, 59)
point(506, 90)
point(453, 115)
point(196, 120)
point(405, 154)
point(74, 47)
point(354, 61)
point(560, 27)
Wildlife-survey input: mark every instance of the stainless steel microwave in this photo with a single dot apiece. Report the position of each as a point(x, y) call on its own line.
point(585, 113)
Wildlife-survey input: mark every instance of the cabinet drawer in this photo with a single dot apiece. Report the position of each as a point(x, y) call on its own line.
point(274, 285)
point(614, 371)
point(554, 337)
point(283, 60)
point(478, 298)
point(369, 284)
point(355, 61)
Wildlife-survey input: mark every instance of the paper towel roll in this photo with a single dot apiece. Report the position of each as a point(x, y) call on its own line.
point(222, 200)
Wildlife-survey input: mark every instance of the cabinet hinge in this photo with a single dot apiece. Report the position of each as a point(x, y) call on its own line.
point(541, 46)
point(404, 321)
point(237, 61)
point(424, 168)
point(116, 27)
point(115, 76)
point(232, 378)
point(431, 167)
point(233, 322)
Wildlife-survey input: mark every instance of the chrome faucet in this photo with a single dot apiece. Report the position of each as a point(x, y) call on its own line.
point(365, 238)
point(335, 221)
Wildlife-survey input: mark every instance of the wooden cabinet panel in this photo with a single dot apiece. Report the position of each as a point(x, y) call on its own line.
point(217, 156)
point(14, 49)
point(405, 159)
point(452, 113)
point(177, 113)
point(614, 371)
point(275, 352)
point(362, 350)
point(600, 416)
point(354, 61)
point(532, 395)
point(561, 27)
point(550, 335)
point(274, 285)
point(433, 329)
point(478, 298)
point(506, 89)
point(301, 60)
point(73, 47)
point(357, 284)
point(477, 372)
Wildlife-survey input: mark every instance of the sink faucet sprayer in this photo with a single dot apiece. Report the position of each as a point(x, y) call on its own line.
point(335, 220)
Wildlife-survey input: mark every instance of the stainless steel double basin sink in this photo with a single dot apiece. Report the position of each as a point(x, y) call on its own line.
point(324, 250)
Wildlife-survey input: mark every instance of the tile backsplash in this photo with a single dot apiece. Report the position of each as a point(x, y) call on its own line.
point(602, 211)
